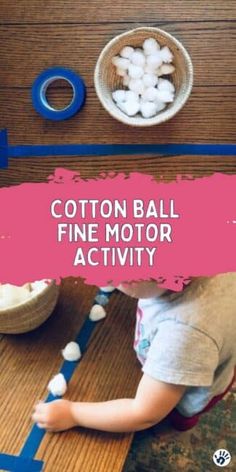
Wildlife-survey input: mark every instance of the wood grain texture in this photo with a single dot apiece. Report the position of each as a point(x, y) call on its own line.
point(108, 370)
point(28, 49)
point(70, 11)
point(160, 167)
point(27, 362)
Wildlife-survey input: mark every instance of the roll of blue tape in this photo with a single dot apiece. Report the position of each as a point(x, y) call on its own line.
point(39, 90)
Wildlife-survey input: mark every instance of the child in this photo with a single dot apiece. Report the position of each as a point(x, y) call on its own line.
point(185, 342)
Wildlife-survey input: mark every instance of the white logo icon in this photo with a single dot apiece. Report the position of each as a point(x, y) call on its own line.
point(221, 457)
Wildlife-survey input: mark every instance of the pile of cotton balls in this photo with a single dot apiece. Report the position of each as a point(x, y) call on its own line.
point(141, 69)
point(12, 295)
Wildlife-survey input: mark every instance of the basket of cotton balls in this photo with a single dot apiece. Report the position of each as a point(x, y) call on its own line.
point(143, 77)
point(24, 308)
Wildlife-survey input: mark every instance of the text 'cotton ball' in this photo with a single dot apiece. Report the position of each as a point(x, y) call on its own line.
point(72, 352)
point(57, 385)
point(97, 313)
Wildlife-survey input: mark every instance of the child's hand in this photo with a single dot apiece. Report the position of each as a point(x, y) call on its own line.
point(54, 416)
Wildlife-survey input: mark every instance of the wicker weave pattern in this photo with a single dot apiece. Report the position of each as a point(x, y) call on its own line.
point(30, 314)
point(106, 80)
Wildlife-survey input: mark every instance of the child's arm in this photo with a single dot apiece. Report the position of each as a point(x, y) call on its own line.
point(153, 401)
point(145, 289)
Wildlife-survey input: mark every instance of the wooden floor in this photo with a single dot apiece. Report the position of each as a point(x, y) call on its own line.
point(39, 34)
point(108, 370)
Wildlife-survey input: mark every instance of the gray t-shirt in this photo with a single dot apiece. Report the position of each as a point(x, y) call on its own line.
point(188, 338)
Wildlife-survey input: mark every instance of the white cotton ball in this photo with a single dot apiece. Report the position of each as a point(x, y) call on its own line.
point(13, 295)
point(38, 286)
point(136, 85)
point(131, 107)
point(135, 72)
point(165, 96)
point(165, 84)
point(108, 289)
point(154, 60)
point(114, 60)
point(72, 352)
point(166, 54)
point(160, 105)
point(126, 52)
point(97, 313)
point(148, 109)
point(150, 80)
point(150, 70)
point(57, 385)
point(120, 72)
point(126, 80)
point(130, 95)
point(150, 46)
point(122, 63)
point(166, 69)
point(121, 106)
point(138, 58)
point(119, 95)
point(150, 94)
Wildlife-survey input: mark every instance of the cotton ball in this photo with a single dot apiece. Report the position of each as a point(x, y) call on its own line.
point(148, 109)
point(97, 313)
point(159, 105)
point(165, 96)
point(122, 63)
point(131, 107)
point(150, 70)
point(114, 60)
point(108, 289)
point(100, 298)
point(150, 46)
point(150, 94)
point(165, 84)
point(72, 352)
point(126, 80)
point(166, 69)
point(166, 54)
point(121, 106)
point(154, 60)
point(138, 58)
point(121, 72)
point(119, 95)
point(126, 52)
point(150, 80)
point(130, 95)
point(13, 295)
point(136, 85)
point(38, 286)
point(135, 72)
point(57, 385)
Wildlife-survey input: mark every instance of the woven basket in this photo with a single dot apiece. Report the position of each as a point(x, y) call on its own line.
point(106, 80)
point(30, 314)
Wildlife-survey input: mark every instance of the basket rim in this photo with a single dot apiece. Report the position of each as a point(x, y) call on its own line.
point(28, 303)
point(166, 114)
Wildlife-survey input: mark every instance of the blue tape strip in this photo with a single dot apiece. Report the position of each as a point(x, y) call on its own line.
point(39, 90)
point(3, 149)
point(36, 434)
point(116, 149)
point(109, 149)
point(20, 464)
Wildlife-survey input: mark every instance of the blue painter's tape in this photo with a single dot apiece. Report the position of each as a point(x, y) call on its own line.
point(39, 91)
point(20, 464)
point(3, 149)
point(119, 149)
point(32, 150)
point(36, 434)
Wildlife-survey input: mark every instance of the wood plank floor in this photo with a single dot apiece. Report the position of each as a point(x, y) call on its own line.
point(39, 34)
point(108, 370)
